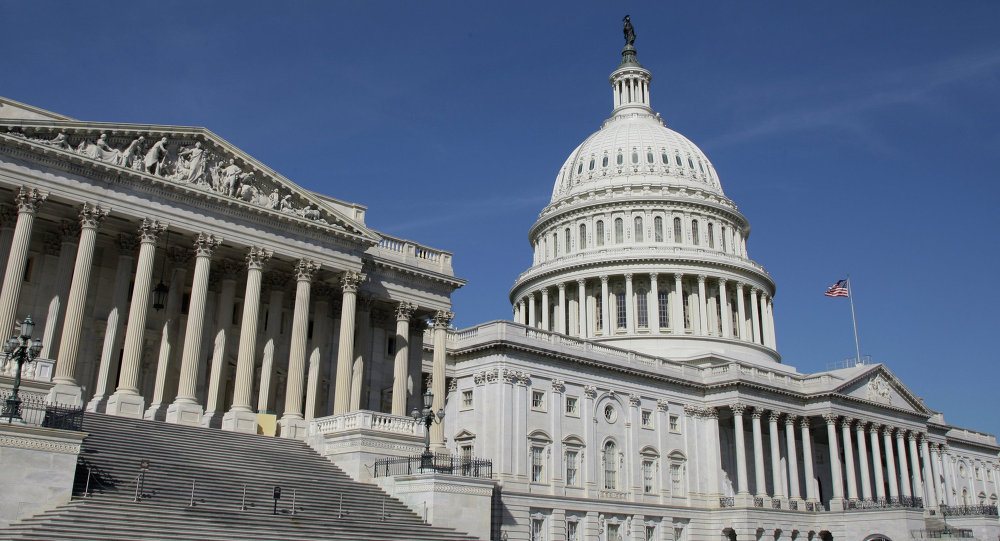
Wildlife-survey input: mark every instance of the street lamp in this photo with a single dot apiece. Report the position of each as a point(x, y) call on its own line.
point(428, 417)
point(21, 350)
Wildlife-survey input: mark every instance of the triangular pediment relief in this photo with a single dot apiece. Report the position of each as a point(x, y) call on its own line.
point(185, 159)
point(879, 386)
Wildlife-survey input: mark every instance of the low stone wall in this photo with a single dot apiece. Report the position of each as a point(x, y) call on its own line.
point(449, 501)
point(38, 469)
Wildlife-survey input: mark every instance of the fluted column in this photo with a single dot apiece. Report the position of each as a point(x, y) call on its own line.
point(240, 417)
point(126, 401)
point(932, 488)
point(727, 319)
point(69, 232)
point(441, 320)
point(66, 390)
point(27, 200)
point(653, 305)
point(773, 343)
point(866, 486)
point(292, 423)
point(8, 217)
point(404, 311)
point(275, 306)
point(362, 350)
point(835, 472)
point(607, 327)
point(793, 461)
point(890, 463)
point(918, 486)
point(852, 480)
point(758, 452)
point(873, 431)
point(562, 316)
point(741, 312)
point(702, 306)
point(522, 314)
point(532, 315)
point(169, 333)
point(677, 310)
point(345, 352)
point(904, 473)
point(581, 306)
point(936, 465)
point(318, 347)
point(223, 326)
point(807, 460)
point(755, 313)
point(545, 309)
point(186, 409)
point(629, 305)
point(113, 338)
point(743, 486)
point(779, 491)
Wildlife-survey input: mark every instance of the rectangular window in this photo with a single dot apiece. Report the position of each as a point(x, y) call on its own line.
point(642, 309)
point(663, 308)
point(598, 304)
point(572, 406)
point(572, 529)
point(536, 464)
point(675, 425)
point(723, 238)
point(538, 400)
point(466, 399)
point(658, 229)
point(650, 533)
point(537, 529)
point(620, 309)
point(675, 479)
point(678, 234)
point(571, 468)
point(614, 533)
point(647, 476)
point(647, 419)
point(694, 232)
point(599, 236)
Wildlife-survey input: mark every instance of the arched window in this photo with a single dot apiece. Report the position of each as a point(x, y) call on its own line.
point(641, 309)
point(663, 309)
point(649, 157)
point(711, 236)
point(619, 231)
point(620, 159)
point(678, 234)
point(664, 158)
point(582, 239)
point(600, 233)
point(604, 162)
point(658, 229)
point(620, 314)
point(592, 164)
point(638, 229)
point(610, 466)
point(579, 169)
point(635, 157)
point(690, 163)
point(569, 243)
point(599, 308)
point(694, 232)
point(679, 162)
point(555, 244)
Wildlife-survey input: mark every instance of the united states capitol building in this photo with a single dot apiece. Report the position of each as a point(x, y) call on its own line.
point(637, 393)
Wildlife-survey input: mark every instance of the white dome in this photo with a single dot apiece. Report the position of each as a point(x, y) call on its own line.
point(634, 148)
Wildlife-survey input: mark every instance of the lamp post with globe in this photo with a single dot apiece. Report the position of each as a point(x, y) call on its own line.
point(19, 349)
point(428, 417)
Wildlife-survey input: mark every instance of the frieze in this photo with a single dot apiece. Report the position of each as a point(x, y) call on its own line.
point(878, 390)
point(21, 442)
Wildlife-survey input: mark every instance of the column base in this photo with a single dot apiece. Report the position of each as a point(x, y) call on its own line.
point(185, 413)
point(66, 394)
point(837, 504)
point(240, 421)
point(293, 427)
point(98, 404)
point(212, 419)
point(125, 405)
point(156, 412)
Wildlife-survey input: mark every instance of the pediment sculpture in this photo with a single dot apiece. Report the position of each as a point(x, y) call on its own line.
point(878, 390)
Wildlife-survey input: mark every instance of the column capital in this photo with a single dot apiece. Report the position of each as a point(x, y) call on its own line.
point(179, 256)
point(634, 400)
point(710, 413)
point(581, 281)
point(702, 278)
point(350, 281)
point(662, 405)
point(91, 216)
point(912, 436)
point(846, 422)
point(653, 276)
point(205, 244)
point(322, 291)
point(127, 243)
point(886, 430)
point(723, 281)
point(804, 422)
point(790, 419)
point(874, 428)
point(561, 286)
point(442, 318)
point(754, 290)
point(757, 413)
point(29, 199)
point(51, 243)
point(738, 408)
point(70, 231)
point(590, 391)
point(604, 279)
point(404, 310)
point(678, 276)
point(558, 385)
point(900, 434)
point(628, 276)
point(256, 257)
point(305, 270)
point(922, 437)
point(831, 418)
point(150, 230)
point(276, 281)
point(739, 286)
point(775, 416)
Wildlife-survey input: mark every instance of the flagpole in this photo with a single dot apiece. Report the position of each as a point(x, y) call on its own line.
point(850, 295)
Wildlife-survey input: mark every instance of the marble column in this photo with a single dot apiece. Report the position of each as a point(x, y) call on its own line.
point(779, 491)
point(904, 473)
point(532, 314)
point(66, 390)
point(873, 431)
point(441, 320)
point(918, 486)
point(27, 200)
point(362, 350)
point(67, 247)
point(755, 314)
point(277, 282)
point(545, 309)
point(653, 305)
point(349, 283)
point(404, 311)
point(741, 313)
point(221, 345)
point(929, 472)
point(185, 409)
point(113, 336)
point(727, 318)
point(743, 486)
point(866, 486)
point(936, 465)
point(807, 460)
point(8, 217)
point(629, 305)
point(240, 417)
point(169, 333)
point(292, 424)
point(607, 326)
point(562, 319)
point(849, 469)
point(793, 463)
point(582, 306)
point(678, 306)
point(758, 452)
point(126, 401)
point(890, 463)
point(835, 472)
point(702, 306)
point(318, 347)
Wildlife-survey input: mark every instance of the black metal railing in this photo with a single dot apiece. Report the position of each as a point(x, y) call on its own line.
point(950, 533)
point(969, 510)
point(727, 501)
point(793, 505)
point(438, 463)
point(811, 506)
point(758, 501)
point(775, 503)
point(889, 503)
point(36, 411)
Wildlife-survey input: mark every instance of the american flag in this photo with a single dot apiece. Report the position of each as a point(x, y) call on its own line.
point(837, 290)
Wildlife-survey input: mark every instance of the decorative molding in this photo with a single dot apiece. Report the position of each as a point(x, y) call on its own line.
point(36, 444)
point(878, 390)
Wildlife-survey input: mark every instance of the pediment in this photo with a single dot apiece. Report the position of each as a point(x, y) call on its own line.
point(880, 386)
point(186, 159)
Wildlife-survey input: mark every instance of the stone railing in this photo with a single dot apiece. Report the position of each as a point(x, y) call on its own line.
point(415, 254)
point(608, 494)
point(366, 420)
point(39, 370)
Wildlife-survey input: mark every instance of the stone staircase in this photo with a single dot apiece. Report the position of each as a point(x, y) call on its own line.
point(210, 484)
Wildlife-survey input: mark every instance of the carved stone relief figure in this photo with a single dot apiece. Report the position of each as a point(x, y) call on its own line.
point(191, 164)
point(156, 158)
point(128, 156)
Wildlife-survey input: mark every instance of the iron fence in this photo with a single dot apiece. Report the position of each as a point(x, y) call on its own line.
point(438, 463)
point(36, 411)
point(727, 501)
point(890, 503)
point(969, 510)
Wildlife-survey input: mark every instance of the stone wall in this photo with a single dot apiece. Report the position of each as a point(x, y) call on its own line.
point(38, 469)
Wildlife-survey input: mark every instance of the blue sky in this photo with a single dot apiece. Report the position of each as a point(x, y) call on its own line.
point(857, 137)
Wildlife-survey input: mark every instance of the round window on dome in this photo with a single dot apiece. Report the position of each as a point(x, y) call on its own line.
point(605, 162)
point(620, 159)
point(592, 164)
point(610, 414)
